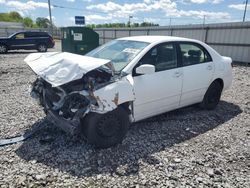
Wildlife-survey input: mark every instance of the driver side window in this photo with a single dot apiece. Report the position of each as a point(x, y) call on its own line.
point(162, 56)
point(19, 36)
point(166, 57)
point(150, 57)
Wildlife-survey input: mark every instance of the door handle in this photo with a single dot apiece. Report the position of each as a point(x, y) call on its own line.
point(209, 67)
point(177, 74)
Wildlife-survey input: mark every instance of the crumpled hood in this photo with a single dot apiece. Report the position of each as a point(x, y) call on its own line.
point(59, 68)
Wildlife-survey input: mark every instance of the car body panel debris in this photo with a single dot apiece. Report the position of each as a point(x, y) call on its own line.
point(21, 137)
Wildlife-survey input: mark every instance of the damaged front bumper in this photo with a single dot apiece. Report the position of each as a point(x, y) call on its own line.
point(65, 110)
point(68, 126)
point(67, 105)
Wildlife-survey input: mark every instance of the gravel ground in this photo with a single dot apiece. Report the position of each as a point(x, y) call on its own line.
point(185, 148)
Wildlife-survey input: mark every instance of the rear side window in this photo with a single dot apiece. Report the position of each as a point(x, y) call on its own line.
point(35, 34)
point(29, 35)
point(192, 53)
point(43, 34)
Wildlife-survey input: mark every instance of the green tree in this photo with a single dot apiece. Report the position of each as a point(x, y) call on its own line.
point(15, 16)
point(28, 22)
point(4, 17)
point(135, 25)
point(148, 24)
point(42, 22)
point(121, 25)
point(11, 17)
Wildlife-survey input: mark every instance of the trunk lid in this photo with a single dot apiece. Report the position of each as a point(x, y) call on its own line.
point(227, 59)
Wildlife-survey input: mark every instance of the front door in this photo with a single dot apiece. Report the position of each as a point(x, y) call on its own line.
point(19, 41)
point(160, 91)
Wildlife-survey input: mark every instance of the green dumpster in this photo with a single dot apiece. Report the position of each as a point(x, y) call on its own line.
point(79, 40)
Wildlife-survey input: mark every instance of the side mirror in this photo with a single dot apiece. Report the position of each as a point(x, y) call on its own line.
point(145, 69)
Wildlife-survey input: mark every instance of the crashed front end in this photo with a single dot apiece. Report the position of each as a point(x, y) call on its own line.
point(65, 105)
point(70, 86)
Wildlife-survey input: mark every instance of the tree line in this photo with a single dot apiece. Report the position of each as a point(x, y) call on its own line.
point(40, 22)
point(122, 25)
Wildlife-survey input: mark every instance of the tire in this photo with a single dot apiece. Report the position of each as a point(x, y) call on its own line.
point(212, 96)
point(106, 130)
point(3, 49)
point(42, 48)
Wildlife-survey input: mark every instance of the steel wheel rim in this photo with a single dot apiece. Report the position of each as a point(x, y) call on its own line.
point(42, 48)
point(2, 48)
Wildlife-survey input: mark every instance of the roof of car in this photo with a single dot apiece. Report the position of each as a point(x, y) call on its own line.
point(151, 38)
point(32, 32)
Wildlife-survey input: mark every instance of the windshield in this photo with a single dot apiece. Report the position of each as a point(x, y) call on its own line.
point(120, 52)
point(12, 35)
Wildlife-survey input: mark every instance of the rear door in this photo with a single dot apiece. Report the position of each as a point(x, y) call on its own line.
point(31, 39)
point(44, 38)
point(198, 70)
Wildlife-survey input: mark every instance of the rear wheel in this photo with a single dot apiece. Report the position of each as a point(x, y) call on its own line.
point(106, 130)
point(3, 49)
point(42, 48)
point(212, 96)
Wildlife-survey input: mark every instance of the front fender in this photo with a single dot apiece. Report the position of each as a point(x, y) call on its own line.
point(110, 96)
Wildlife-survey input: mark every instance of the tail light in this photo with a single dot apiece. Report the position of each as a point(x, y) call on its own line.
point(52, 40)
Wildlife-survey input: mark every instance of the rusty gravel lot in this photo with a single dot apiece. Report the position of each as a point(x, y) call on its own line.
point(189, 147)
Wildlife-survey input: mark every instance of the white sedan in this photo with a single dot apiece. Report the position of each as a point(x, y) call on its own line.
point(127, 80)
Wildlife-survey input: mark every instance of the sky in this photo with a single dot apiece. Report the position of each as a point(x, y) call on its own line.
point(163, 12)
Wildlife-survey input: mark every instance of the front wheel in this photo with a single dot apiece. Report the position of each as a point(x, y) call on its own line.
point(106, 130)
point(42, 48)
point(212, 96)
point(3, 49)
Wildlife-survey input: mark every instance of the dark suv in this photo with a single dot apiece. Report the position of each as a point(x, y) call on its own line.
point(27, 40)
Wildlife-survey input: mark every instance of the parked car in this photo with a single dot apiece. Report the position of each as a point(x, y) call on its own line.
point(125, 81)
point(27, 40)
